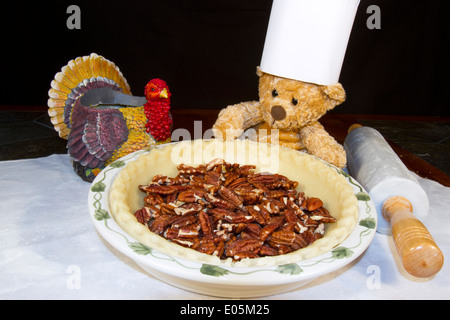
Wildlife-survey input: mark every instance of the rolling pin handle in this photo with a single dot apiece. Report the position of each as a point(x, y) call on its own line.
point(420, 255)
point(353, 127)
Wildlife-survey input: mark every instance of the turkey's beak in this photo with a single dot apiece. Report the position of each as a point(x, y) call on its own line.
point(164, 94)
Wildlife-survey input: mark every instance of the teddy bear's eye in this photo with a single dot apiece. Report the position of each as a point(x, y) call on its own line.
point(294, 101)
point(274, 93)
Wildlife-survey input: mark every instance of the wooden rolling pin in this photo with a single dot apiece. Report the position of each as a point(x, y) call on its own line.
point(374, 164)
point(420, 255)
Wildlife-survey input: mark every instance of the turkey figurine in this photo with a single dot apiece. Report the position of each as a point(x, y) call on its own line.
point(90, 105)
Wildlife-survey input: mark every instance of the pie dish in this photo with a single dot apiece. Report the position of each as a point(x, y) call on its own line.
point(115, 194)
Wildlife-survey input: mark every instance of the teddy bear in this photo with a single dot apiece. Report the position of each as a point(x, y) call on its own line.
point(292, 107)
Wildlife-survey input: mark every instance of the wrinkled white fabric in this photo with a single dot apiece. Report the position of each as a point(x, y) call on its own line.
point(49, 248)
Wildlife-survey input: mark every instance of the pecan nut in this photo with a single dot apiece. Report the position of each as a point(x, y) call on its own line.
point(313, 204)
point(322, 215)
point(153, 199)
point(230, 196)
point(191, 195)
point(184, 221)
point(218, 202)
point(143, 215)
point(243, 245)
point(205, 222)
point(158, 189)
point(281, 237)
point(188, 209)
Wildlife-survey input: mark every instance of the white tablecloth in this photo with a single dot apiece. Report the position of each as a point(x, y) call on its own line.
point(49, 248)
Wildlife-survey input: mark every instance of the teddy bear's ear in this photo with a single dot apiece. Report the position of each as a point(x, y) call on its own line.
point(259, 72)
point(335, 92)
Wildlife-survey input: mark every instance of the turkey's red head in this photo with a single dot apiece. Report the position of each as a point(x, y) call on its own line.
point(157, 89)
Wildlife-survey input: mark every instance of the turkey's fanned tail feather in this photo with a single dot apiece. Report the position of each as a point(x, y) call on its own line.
point(77, 77)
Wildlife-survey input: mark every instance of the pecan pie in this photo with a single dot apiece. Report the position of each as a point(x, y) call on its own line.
point(229, 210)
point(237, 203)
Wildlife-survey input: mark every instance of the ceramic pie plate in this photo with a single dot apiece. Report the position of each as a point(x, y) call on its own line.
point(114, 197)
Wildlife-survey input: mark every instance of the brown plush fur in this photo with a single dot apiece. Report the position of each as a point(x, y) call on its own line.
point(294, 110)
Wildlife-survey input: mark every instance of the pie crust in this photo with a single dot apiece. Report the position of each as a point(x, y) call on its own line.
point(315, 177)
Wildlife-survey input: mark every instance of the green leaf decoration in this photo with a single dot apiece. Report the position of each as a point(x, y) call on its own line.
point(98, 187)
point(140, 248)
point(101, 214)
point(291, 269)
point(362, 196)
point(117, 164)
point(368, 223)
point(341, 252)
point(214, 271)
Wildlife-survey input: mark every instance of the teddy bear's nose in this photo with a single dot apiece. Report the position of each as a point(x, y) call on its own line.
point(278, 113)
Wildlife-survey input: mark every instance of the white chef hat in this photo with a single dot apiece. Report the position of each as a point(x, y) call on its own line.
point(306, 40)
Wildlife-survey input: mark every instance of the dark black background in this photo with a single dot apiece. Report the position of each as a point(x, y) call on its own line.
point(208, 51)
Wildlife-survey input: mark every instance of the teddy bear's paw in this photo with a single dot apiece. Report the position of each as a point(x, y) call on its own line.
point(227, 134)
point(335, 156)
